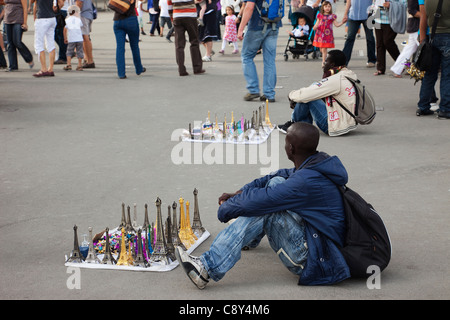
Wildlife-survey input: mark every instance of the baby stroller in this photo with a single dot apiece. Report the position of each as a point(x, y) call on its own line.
point(302, 45)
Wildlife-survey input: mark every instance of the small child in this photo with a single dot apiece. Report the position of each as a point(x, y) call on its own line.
point(324, 38)
point(230, 34)
point(301, 30)
point(201, 13)
point(73, 37)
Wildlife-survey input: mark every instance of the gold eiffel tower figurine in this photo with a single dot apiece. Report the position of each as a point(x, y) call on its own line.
point(123, 257)
point(267, 119)
point(184, 233)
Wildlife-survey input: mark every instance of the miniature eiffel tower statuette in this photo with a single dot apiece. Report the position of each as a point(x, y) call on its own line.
point(160, 249)
point(267, 119)
point(123, 222)
point(108, 258)
point(196, 222)
point(146, 221)
point(129, 228)
point(188, 224)
point(91, 256)
point(175, 236)
point(140, 260)
point(123, 256)
point(134, 224)
point(76, 253)
point(170, 247)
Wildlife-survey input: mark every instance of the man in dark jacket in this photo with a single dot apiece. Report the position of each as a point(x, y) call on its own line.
point(299, 209)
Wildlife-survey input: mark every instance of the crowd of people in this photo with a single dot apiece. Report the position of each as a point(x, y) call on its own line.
point(202, 20)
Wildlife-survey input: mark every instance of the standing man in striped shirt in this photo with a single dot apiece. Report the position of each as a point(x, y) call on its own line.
point(185, 19)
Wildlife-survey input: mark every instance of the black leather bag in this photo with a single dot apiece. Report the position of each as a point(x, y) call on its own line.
point(423, 58)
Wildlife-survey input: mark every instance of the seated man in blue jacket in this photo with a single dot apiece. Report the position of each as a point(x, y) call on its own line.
point(299, 209)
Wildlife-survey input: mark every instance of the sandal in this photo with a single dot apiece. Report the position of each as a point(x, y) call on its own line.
point(68, 67)
point(41, 74)
point(394, 75)
point(378, 73)
point(79, 69)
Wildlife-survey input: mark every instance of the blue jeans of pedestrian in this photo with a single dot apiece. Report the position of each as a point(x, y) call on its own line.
point(285, 231)
point(14, 35)
point(253, 41)
point(441, 59)
point(353, 26)
point(130, 27)
point(314, 110)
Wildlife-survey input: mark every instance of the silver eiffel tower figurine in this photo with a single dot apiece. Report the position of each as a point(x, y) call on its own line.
point(197, 227)
point(91, 256)
point(175, 235)
point(108, 258)
point(129, 227)
point(160, 249)
point(140, 260)
point(170, 247)
point(123, 222)
point(76, 253)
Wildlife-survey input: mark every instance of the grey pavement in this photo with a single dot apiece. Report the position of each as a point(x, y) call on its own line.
point(74, 147)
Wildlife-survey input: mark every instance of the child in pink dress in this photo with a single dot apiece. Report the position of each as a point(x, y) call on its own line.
point(324, 38)
point(230, 34)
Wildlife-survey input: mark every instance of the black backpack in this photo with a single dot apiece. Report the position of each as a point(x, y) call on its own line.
point(365, 109)
point(367, 241)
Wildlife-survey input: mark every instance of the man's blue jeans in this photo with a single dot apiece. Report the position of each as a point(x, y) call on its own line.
point(285, 231)
point(441, 58)
point(314, 110)
point(123, 27)
point(353, 26)
point(253, 41)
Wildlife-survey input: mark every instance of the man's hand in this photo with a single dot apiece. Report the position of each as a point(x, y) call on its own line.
point(225, 196)
point(292, 103)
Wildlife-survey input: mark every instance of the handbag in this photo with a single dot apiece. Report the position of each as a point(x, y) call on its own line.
point(120, 6)
point(423, 57)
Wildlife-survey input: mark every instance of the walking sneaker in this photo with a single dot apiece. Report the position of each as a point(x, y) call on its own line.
point(283, 128)
point(206, 59)
point(193, 267)
point(251, 96)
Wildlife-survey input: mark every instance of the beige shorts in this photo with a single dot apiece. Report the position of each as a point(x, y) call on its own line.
point(87, 26)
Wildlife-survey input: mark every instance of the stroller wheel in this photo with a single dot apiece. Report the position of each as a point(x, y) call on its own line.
point(286, 57)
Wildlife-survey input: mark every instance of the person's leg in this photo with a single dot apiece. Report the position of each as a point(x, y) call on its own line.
point(180, 44)
point(381, 51)
point(370, 44)
point(285, 231)
point(406, 53)
point(132, 29)
point(12, 52)
point(389, 42)
point(427, 87)
point(50, 42)
point(269, 48)
point(314, 110)
point(120, 33)
point(250, 46)
point(442, 43)
point(352, 26)
point(194, 48)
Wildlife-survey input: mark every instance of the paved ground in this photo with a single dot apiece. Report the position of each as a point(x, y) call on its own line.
point(74, 147)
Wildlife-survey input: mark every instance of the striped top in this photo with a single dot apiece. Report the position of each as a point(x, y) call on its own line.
point(184, 8)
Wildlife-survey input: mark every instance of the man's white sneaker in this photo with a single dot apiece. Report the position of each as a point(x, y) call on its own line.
point(193, 267)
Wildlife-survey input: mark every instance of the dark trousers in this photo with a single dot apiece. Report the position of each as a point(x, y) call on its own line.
point(14, 35)
point(59, 38)
point(189, 25)
point(385, 42)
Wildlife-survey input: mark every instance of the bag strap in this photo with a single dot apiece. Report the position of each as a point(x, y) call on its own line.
point(437, 15)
